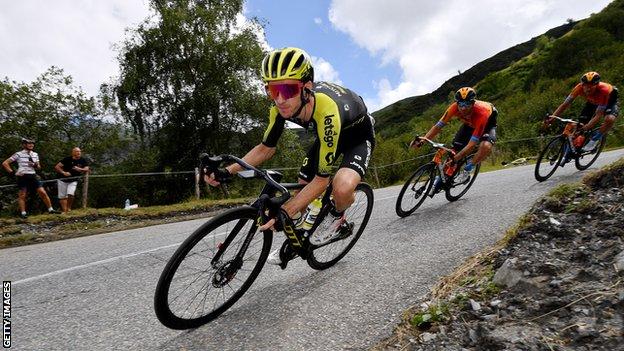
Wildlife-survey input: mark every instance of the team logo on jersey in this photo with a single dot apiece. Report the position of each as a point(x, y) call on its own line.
point(369, 149)
point(329, 131)
point(329, 158)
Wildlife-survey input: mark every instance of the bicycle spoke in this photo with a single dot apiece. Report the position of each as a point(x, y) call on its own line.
point(335, 248)
point(414, 191)
point(548, 159)
point(197, 289)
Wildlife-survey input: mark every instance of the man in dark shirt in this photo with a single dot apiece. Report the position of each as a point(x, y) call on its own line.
point(70, 168)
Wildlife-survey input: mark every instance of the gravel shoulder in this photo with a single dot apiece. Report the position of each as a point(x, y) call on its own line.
point(554, 282)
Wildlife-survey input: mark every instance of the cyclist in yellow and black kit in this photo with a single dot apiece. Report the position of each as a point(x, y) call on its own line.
point(342, 124)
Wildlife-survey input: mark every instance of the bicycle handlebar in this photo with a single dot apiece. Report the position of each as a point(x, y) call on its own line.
point(565, 120)
point(436, 145)
point(215, 161)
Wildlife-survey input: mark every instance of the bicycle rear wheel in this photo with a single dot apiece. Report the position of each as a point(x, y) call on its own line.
point(415, 190)
point(457, 189)
point(357, 216)
point(587, 159)
point(548, 160)
point(191, 291)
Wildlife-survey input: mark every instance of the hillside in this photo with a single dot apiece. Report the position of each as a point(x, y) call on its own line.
point(403, 110)
point(524, 83)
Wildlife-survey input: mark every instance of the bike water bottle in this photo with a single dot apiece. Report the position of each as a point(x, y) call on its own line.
point(450, 170)
point(313, 210)
point(298, 219)
point(579, 140)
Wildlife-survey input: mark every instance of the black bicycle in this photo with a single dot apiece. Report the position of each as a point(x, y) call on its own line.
point(454, 181)
point(218, 262)
point(571, 142)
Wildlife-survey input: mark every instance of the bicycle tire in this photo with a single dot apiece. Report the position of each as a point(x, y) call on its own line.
point(578, 161)
point(162, 302)
point(460, 166)
point(552, 149)
point(421, 193)
point(315, 259)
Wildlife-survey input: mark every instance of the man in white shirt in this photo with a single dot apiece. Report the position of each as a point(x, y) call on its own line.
point(26, 174)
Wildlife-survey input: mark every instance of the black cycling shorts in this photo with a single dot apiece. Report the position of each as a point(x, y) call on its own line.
point(463, 135)
point(355, 157)
point(590, 109)
point(28, 182)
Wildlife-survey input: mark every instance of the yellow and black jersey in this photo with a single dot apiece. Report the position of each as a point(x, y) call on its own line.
point(340, 119)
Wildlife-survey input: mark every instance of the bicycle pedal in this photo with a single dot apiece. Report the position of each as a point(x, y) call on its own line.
point(286, 254)
point(345, 230)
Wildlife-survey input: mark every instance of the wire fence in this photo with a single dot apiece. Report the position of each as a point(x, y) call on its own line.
point(374, 169)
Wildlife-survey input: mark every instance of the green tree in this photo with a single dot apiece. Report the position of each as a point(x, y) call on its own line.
point(58, 116)
point(189, 80)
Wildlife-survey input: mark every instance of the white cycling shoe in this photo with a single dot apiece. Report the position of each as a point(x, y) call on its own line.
point(274, 258)
point(590, 146)
point(462, 177)
point(325, 233)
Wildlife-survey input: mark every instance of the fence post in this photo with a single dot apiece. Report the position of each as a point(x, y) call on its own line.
point(376, 176)
point(197, 192)
point(85, 190)
point(225, 190)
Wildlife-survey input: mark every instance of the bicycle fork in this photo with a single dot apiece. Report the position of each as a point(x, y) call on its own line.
point(226, 271)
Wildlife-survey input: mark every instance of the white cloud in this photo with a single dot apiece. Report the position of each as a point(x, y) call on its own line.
point(431, 40)
point(324, 71)
point(318, 20)
point(74, 35)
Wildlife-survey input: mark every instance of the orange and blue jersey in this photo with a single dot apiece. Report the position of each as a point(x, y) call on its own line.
point(599, 96)
point(476, 119)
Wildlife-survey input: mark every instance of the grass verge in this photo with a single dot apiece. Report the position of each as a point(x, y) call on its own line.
point(82, 222)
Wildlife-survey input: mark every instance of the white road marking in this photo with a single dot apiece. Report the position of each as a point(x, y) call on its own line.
point(91, 264)
point(116, 258)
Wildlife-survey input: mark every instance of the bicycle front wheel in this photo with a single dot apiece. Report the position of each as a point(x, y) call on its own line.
point(586, 159)
point(357, 216)
point(459, 187)
point(193, 290)
point(414, 191)
point(548, 160)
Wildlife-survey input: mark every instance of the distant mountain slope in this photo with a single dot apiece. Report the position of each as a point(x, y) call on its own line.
point(403, 110)
point(524, 83)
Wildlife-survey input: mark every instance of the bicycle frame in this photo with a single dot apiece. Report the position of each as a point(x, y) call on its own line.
point(268, 201)
point(570, 132)
point(437, 159)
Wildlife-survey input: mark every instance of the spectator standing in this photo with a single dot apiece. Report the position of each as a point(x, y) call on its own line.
point(26, 174)
point(70, 168)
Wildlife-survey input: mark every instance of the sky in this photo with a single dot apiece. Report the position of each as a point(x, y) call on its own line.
point(384, 50)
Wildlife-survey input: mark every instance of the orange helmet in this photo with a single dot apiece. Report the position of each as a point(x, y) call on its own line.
point(590, 78)
point(465, 96)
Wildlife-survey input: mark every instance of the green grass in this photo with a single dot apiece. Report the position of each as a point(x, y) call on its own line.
point(433, 314)
point(81, 222)
point(141, 212)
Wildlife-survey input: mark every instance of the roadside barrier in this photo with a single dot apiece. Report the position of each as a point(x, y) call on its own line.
point(373, 169)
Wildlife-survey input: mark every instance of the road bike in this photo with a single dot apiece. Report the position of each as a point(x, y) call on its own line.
point(218, 262)
point(571, 142)
point(453, 180)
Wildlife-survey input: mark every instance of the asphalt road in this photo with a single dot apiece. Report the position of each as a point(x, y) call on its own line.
point(95, 293)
